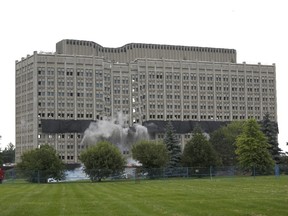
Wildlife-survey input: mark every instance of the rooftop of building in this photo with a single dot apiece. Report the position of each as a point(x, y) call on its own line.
point(146, 46)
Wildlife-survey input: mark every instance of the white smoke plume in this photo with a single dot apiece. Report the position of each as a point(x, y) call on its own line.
point(115, 131)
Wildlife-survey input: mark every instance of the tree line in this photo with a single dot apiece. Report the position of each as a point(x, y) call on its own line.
point(7, 155)
point(248, 144)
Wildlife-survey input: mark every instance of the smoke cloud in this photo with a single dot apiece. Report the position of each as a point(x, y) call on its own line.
point(116, 131)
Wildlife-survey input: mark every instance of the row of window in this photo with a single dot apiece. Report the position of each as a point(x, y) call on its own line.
point(118, 101)
point(70, 83)
point(68, 72)
point(160, 87)
point(70, 94)
point(204, 107)
point(66, 115)
point(118, 91)
point(152, 97)
point(202, 117)
point(98, 73)
point(160, 116)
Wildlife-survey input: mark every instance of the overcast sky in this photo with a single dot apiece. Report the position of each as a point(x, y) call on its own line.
point(257, 29)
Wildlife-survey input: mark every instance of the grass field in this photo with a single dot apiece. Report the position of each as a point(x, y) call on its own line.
point(228, 196)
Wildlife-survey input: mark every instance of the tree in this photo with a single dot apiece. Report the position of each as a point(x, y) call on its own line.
point(198, 152)
point(41, 163)
point(173, 146)
point(1, 159)
point(270, 129)
point(223, 141)
point(8, 154)
point(102, 160)
point(252, 148)
point(151, 154)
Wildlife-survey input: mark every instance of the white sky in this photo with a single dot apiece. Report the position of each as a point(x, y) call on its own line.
point(257, 29)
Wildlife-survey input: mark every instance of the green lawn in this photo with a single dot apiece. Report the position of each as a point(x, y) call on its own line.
point(228, 196)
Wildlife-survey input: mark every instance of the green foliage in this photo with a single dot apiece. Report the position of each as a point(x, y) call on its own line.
point(41, 163)
point(101, 160)
point(198, 152)
point(1, 159)
point(270, 129)
point(283, 159)
point(151, 154)
point(252, 148)
point(173, 146)
point(223, 141)
point(8, 154)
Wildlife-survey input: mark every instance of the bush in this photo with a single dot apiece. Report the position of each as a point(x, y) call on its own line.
point(102, 160)
point(41, 163)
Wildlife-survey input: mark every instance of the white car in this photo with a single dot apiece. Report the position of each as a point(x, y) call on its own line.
point(51, 180)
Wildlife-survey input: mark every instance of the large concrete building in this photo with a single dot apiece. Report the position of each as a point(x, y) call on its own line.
point(59, 94)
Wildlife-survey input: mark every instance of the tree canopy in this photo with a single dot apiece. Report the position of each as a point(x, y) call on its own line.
point(270, 129)
point(252, 148)
point(173, 146)
point(41, 163)
point(151, 154)
point(102, 160)
point(198, 152)
point(223, 141)
point(8, 154)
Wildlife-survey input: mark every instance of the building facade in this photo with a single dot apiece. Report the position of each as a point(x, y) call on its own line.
point(83, 81)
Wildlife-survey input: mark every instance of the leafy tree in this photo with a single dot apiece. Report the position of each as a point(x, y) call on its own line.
point(8, 154)
point(41, 163)
point(198, 152)
point(283, 158)
point(150, 154)
point(270, 129)
point(1, 159)
point(283, 163)
point(223, 141)
point(102, 160)
point(252, 148)
point(173, 146)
